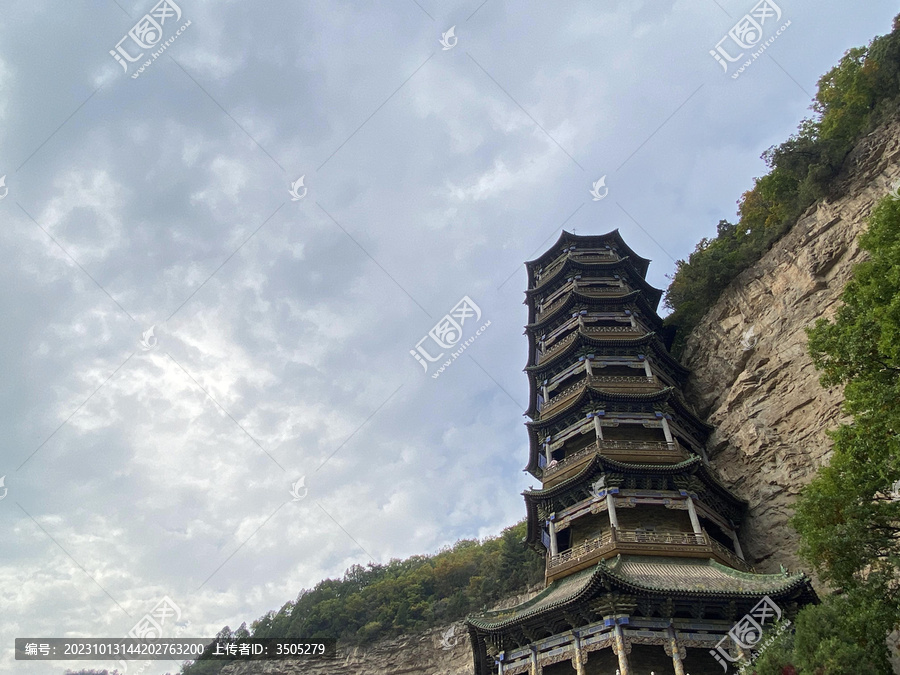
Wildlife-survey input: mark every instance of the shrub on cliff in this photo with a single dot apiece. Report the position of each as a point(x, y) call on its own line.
point(852, 99)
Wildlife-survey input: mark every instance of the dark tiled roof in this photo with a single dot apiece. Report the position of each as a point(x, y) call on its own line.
point(645, 575)
point(558, 593)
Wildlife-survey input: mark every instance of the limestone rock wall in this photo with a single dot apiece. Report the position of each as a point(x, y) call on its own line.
point(751, 375)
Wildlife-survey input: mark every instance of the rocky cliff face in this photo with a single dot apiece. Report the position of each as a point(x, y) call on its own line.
point(752, 377)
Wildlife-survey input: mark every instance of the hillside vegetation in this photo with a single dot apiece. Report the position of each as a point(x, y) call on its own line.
point(400, 597)
point(852, 99)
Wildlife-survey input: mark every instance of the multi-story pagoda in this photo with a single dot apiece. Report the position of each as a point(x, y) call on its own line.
point(644, 566)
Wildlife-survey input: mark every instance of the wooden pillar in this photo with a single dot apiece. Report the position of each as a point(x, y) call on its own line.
point(597, 428)
point(577, 662)
point(611, 509)
point(667, 431)
point(692, 512)
point(676, 652)
point(554, 547)
point(624, 668)
point(737, 544)
point(587, 367)
point(535, 666)
point(647, 367)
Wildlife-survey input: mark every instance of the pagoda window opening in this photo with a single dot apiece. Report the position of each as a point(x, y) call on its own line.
point(573, 445)
point(611, 323)
point(618, 370)
point(717, 533)
point(586, 528)
point(651, 519)
point(634, 432)
point(687, 445)
point(557, 387)
point(564, 540)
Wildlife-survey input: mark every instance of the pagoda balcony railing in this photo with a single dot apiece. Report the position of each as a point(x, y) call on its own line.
point(689, 544)
point(613, 332)
point(678, 538)
point(657, 451)
point(558, 297)
point(631, 330)
point(730, 556)
point(624, 383)
point(586, 549)
point(589, 255)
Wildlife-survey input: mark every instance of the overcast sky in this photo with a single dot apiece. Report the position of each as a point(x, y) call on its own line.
point(140, 466)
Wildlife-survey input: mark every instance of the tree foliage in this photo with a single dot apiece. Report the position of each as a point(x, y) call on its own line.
point(403, 596)
point(852, 99)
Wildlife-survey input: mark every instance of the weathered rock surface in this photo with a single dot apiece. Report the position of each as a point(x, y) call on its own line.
point(752, 377)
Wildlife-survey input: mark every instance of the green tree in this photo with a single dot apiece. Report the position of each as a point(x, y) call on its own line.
point(859, 93)
point(848, 519)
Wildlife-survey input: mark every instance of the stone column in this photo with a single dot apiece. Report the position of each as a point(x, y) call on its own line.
point(587, 367)
point(611, 508)
point(676, 653)
point(597, 428)
point(692, 512)
point(624, 668)
point(647, 367)
point(554, 548)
